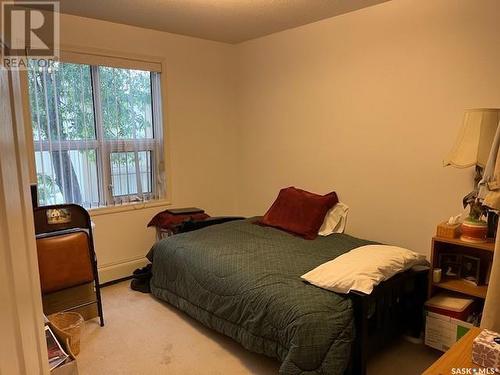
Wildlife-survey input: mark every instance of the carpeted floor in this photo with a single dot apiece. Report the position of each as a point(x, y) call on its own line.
point(145, 336)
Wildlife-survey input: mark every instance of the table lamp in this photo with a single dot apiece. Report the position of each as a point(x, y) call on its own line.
point(472, 149)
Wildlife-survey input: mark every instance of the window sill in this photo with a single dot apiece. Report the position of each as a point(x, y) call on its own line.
point(127, 207)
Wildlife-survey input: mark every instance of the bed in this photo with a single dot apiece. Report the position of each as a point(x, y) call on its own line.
point(243, 280)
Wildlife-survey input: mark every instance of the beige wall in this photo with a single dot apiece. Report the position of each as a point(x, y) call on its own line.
point(368, 104)
point(201, 131)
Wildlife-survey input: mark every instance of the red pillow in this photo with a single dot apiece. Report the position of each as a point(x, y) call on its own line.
point(299, 211)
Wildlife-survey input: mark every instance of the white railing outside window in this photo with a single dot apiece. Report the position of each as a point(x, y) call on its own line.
point(97, 134)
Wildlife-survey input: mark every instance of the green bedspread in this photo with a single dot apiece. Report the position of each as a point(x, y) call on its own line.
point(243, 280)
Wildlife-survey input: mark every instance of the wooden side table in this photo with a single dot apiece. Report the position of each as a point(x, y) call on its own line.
point(459, 356)
point(484, 251)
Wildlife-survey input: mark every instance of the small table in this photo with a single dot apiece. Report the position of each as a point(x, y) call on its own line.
point(458, 356)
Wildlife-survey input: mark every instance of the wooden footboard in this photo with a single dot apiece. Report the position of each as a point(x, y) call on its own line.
point(394, 307)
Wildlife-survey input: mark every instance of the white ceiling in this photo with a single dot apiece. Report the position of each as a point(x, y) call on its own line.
point(230, 21)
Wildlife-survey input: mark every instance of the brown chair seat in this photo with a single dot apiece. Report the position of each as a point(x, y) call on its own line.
point(67, 261)
point(64, 261)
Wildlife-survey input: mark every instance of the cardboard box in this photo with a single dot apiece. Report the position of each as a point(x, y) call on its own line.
point(448, 304)
point(442, 331)
point(69, 368)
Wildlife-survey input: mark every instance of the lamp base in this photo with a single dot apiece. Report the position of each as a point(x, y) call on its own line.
point(474, 231)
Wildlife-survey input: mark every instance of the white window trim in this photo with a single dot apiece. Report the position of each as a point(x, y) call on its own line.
point(164, 201)
point(106, 147)
point(132, 206)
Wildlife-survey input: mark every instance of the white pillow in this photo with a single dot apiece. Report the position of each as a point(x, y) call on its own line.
point(363, 268)
point(335, 220)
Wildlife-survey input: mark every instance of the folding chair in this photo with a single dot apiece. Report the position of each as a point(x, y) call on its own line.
point(66, 257)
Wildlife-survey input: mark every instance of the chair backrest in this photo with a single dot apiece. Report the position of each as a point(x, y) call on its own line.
point(61, 217)
point(64, 260)
point(66, 256)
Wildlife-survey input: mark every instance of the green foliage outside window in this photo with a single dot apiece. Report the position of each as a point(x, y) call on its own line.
point(126, 103)
point(62, 109)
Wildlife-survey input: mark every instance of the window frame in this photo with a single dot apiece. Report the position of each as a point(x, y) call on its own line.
point(105, 147)
point(138, 172)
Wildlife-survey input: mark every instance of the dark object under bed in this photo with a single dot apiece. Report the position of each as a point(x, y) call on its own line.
point(243, 280)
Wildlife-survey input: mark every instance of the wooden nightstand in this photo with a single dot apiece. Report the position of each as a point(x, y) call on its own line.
point(441, 330)
point(483, 251)
point(458, 357)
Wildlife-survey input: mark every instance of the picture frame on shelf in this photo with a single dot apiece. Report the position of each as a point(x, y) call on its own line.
point(451, 265)
point(470, 269)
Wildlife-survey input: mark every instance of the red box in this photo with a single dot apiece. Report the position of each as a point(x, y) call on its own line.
point(451, 305)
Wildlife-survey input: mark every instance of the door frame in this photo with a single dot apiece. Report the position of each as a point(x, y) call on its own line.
point(22, 349)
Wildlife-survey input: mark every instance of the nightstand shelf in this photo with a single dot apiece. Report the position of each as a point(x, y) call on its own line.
point(488, 246)
point(461, 286)
point(483, 251)
point(451, 255)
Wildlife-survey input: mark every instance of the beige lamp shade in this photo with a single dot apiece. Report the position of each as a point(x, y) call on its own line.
point(474, 141)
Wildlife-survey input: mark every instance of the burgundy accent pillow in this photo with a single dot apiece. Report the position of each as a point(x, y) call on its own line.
point(299, 211)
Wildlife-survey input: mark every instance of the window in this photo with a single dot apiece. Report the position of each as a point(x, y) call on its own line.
point(97, 134)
